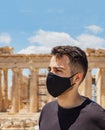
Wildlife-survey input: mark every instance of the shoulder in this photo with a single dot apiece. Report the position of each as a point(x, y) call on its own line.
point(99, 114)
point(95, 106)
point(51, 106)
point(94, 110)
point(48, 110)
point(98, 109)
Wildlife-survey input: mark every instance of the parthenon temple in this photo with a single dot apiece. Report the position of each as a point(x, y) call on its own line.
point(27, 93)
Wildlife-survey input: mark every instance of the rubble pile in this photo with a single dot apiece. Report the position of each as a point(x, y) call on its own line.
point(18, 124)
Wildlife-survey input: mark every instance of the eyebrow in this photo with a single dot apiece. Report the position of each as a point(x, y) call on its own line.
point(57, 67)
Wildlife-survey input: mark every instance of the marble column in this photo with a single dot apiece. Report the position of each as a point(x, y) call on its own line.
point(20, 77)
point(86, 86)
point(33, 90)
point(1, 90)
point(100, 84)
point(15, 91)
point(5, 90)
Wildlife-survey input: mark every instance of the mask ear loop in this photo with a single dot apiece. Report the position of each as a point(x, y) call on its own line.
point(70, 80)
point(72, 77)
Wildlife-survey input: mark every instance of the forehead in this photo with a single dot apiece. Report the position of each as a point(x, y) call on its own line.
point(62, 61)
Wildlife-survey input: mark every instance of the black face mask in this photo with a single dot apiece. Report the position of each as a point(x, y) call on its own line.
point(56, 85)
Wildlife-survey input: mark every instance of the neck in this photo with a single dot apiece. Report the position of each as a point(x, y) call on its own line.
point(70, 100)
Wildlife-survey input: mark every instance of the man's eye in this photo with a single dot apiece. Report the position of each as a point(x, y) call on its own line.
point(58, 70)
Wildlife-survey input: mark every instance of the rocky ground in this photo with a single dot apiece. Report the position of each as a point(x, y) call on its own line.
point(19, 121)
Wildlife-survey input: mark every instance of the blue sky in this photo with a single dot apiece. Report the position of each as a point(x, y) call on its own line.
point(35, 26)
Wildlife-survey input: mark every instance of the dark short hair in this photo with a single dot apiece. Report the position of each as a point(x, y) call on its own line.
point(78, 58)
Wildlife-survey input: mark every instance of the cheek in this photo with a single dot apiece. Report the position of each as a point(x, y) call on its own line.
point(67, 73)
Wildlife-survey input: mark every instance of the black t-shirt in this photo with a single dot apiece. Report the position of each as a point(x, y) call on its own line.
point(68, 116)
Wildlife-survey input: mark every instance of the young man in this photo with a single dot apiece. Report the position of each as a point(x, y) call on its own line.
point(70, 111)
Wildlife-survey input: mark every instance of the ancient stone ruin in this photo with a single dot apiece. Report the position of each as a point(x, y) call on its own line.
point(26, 95)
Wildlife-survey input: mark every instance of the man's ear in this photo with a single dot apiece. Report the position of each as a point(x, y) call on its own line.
point(78, 77)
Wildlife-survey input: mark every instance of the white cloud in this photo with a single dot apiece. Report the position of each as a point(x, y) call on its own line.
point(91, 41)
point(35, 50)
point(51, 39)
point(45, 40)
point(95, 29)
point(5, 38)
